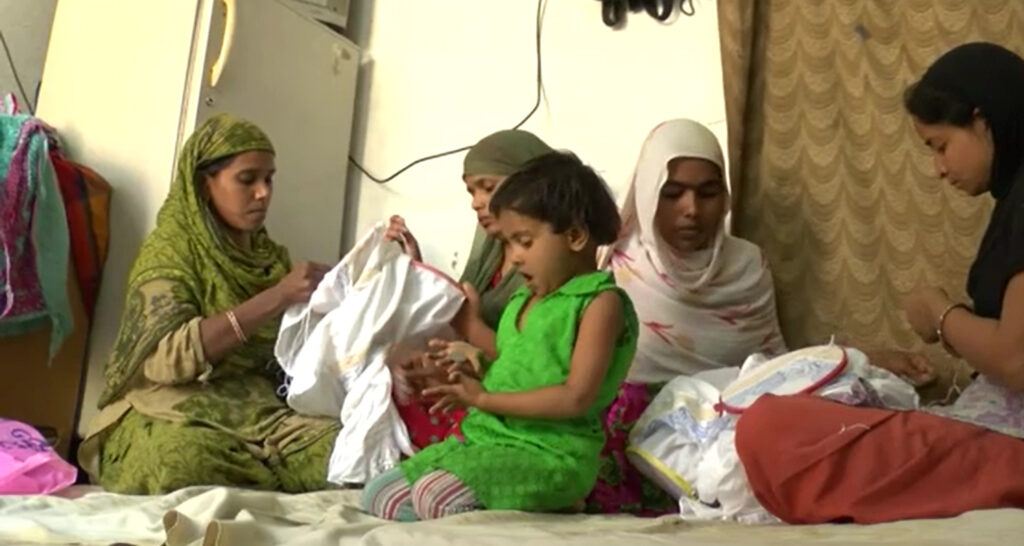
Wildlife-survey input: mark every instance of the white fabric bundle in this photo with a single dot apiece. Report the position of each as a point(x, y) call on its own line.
point(335, 348)
point(686, 445)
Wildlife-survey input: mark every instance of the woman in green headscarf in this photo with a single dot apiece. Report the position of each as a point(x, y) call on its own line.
point(190, 393)
point(487, 164)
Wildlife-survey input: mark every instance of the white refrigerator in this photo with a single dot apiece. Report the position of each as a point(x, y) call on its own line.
point(126, 81)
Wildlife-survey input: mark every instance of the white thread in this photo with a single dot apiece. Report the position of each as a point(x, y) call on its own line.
point(853, 426)
point(953, 389)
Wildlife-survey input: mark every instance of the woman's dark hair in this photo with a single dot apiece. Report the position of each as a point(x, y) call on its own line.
point(557, 188)
point(933, 106)
point(211, 168)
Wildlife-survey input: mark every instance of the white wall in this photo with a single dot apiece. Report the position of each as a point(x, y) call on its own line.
point(444, 74)
point(26, 26)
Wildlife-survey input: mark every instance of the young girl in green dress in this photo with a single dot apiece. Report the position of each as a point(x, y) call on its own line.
point(533, 436)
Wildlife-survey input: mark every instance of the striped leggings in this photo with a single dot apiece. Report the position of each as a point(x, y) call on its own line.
point(435, 495)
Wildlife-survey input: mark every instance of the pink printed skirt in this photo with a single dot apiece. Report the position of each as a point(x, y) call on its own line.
point(620, 487)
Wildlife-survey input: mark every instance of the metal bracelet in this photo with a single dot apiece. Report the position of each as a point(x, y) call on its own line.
point(942, 320)
point(239, 333)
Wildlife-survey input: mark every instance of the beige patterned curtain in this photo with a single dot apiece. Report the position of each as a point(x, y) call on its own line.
point(830, 178)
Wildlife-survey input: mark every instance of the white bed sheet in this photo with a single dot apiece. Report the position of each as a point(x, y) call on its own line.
point(221, 516)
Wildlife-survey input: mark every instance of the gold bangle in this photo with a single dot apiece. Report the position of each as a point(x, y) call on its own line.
point(239, 333)
point(942, 320)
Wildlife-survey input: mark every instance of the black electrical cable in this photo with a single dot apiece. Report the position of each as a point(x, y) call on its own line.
point(687, 11)
point(541, 5)
point(14, 71)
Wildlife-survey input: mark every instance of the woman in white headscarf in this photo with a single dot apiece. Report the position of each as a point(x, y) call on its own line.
point(705, 299)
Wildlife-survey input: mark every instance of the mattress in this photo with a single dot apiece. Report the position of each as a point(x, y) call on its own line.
point(224, 516)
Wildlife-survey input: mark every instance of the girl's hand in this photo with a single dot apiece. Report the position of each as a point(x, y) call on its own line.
point(463, 393)
point(456, 357)
point(914, 368)
point(398, 232)
point(923, 308)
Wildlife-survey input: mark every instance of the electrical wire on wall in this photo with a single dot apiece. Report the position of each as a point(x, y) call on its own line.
point(685, 6)
point(14, 72)
point(541, 8)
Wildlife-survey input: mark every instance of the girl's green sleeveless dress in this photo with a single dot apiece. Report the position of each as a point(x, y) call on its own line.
point(535, 464)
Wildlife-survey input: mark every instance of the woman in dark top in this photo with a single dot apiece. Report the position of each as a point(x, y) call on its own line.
point(810, 460)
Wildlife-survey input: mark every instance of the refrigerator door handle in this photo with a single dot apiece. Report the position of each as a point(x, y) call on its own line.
point(230, 10)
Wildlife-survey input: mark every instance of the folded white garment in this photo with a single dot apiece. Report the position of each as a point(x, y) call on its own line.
point(334, 349)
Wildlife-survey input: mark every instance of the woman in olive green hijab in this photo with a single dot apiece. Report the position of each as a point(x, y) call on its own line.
point(191, 385)
point(487, 164)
